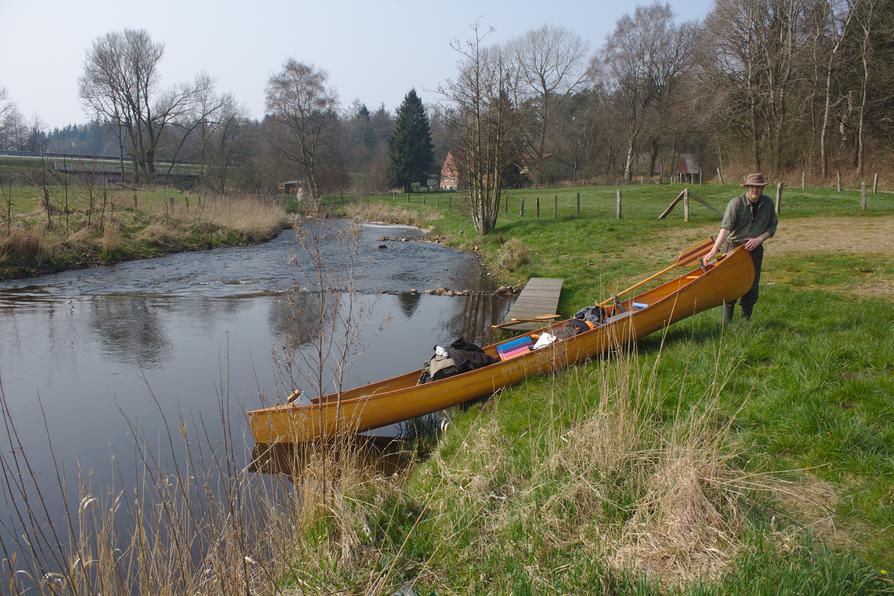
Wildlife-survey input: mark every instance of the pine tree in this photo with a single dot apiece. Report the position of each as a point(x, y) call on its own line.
point(410, 147)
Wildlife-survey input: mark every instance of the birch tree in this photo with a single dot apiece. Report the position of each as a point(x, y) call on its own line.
point(299, 100)
point(483, 122)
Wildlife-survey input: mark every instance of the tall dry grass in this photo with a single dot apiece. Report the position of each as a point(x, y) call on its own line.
point(119, 227)
point(207, 524)
point(663, 499)
point(513, 254)
point(248, 215)
point(203, 524)
point(393, 214)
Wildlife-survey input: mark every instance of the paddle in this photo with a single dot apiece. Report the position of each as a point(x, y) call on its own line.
point(515, 321)
point(688, 256)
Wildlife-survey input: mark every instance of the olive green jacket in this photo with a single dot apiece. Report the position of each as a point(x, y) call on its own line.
point(742, 225)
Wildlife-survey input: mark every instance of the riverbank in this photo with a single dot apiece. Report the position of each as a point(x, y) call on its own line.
point(752, 458)
point(100, 228)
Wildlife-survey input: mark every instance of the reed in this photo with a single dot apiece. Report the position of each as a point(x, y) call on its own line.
point(115, 225)
point(385, 213)
point(513, 254)
point(202, 522)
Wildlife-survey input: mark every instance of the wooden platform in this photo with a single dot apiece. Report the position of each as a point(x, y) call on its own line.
point(539, 297)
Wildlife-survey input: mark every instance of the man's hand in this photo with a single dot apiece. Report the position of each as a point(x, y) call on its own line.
point(753, 243)
point(709, 256)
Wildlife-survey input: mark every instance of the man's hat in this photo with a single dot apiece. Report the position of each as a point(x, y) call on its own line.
point(755, 180)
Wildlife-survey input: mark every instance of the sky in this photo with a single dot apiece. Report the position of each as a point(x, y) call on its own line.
point(373, 50)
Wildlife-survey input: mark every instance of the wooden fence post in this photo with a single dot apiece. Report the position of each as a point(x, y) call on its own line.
point(875, 184)
point(556, 207)
point(578, 204)
point(521, 208)
point(803, 180)
point(863, 195)
point(779, 187)
point(618, 204)
point(838, 181)
point(538, 207)
point(686, 205)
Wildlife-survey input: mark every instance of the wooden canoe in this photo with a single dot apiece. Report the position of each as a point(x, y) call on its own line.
point(401, 398)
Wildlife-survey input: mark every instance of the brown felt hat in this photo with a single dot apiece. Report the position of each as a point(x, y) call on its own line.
point(755, 180)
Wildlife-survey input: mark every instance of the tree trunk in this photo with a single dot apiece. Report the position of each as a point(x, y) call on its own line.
point(864, 51)
point(628, 163)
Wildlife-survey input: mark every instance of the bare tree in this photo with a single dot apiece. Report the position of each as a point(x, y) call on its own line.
point(483, 121)
point(197, 115)
point(839, 18)
point(14, 129)
point(552, 64)
point(227, 140)
point(5, 104)
point(121, 84)
point(755, 55)
point(865, 20)
point(299, 100)
point(645, 57)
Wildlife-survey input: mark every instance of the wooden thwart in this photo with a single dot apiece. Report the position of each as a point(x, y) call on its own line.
point(540, 295)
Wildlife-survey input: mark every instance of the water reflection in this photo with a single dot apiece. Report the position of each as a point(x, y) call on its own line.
point(409, 302)
point(385, 455)
point(130, 331)
point(474, 319)
point(295, 316)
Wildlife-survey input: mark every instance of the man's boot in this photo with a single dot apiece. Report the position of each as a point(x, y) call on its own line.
point(728, 312)
point(746, 311)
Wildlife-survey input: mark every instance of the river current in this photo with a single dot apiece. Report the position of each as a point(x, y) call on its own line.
point(90, 357)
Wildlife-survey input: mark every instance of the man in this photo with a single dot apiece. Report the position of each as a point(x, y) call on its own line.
point(749, 220)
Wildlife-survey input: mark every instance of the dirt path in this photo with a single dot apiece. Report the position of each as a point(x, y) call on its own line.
point(870, 236)
point(850, 235)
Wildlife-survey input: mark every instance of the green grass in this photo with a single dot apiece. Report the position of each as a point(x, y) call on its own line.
point(28, 164)
point(807, 392)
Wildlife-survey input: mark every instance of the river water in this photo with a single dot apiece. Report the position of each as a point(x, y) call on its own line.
point(107, 352)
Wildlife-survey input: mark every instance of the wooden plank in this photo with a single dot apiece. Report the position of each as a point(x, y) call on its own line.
point(671, 206)
point(540, 296)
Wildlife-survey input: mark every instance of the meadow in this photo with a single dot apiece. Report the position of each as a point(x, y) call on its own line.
point(757, 457)
point(88, 225)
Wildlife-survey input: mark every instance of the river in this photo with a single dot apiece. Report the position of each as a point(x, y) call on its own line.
point(104, 353)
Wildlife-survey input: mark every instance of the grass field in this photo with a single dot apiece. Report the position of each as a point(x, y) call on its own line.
point(754, 458)
point(94, 226)
point(21, 163)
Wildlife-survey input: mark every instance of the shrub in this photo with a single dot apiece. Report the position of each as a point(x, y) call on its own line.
point(513, 255)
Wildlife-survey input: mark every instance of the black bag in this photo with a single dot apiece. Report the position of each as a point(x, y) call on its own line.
point(468, 356)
